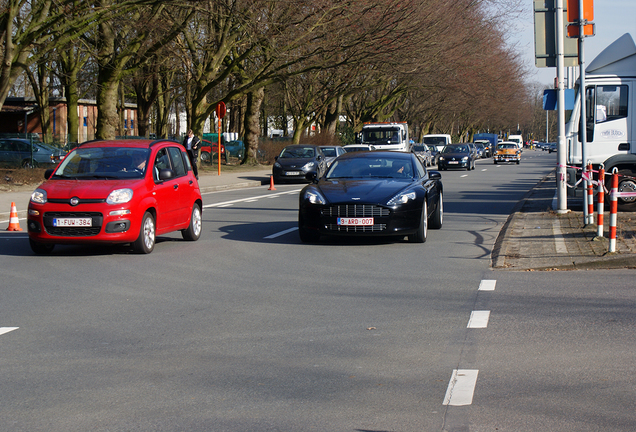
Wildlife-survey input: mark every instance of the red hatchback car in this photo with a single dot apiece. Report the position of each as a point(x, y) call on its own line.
point(116, 192)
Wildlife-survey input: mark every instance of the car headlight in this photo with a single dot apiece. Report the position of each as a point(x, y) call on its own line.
point(314, 197)
point(465, 158)
point(441, 158)
point(39, 196)
point(308, 166)
point(120, 196)
point(402, 198)
point(277, 165)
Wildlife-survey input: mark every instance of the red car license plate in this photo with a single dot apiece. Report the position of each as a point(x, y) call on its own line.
point(72, 222)
point(355, 221)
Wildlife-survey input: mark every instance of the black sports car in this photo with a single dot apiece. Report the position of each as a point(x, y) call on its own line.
point(380, 193)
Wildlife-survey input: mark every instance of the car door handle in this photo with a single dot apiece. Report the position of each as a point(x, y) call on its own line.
point(175, 187)
point(190, 182)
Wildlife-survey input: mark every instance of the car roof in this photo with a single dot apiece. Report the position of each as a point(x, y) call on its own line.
point(137, 143)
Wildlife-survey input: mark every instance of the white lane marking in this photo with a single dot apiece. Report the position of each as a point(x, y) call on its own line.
point(559, 241)
point(485, 169)
point(278, 234)
point(478, 319)
point(250, 199)
point(487, 285)
point(465, 175)
point(4, 330)
point(461, 387)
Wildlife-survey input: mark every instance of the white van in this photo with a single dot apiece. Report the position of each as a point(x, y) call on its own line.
point(438, 140)
point(516, 139)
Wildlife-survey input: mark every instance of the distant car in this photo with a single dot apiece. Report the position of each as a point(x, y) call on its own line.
point(295, 161)
point(209, 152)
point(331, 153)
point(487, 147)
point(111, 192)
point(357, 147)
point(551, 147)
point(507, 151)
point(422, 151)
point(379, 193)
point(434, 154)
point(17, 152)
point(480, 150)
point(457, 156)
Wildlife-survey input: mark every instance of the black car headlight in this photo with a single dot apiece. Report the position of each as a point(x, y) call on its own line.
point(308, 166)
point(314, 197)
point(402, 198)
point(277, 165)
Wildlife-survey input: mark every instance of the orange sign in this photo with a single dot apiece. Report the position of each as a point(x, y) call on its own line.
point(573, 11)
point(221, 110)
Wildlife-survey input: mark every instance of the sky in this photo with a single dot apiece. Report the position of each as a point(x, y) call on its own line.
point(613, 18)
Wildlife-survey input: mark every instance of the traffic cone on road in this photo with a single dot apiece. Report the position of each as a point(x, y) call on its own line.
point(271, 183)
point(14, 223)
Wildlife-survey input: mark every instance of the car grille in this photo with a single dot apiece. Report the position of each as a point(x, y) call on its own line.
point(356, 210)
point(73, 231)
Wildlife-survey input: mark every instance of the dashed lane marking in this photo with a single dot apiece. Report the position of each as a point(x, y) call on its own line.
point(461, 387)
point(487, 285)
point(250, 199)
point(278, 234)
point(4, 330)
point(478, 319)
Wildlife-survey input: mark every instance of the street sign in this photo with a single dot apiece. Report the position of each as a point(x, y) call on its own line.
point(545, 40)
point(221, 110)
point(573, 10)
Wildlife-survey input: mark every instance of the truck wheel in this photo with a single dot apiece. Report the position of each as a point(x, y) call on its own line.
point(625, 184)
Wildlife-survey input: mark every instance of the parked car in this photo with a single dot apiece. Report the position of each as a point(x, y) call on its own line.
point(110, 192)
point(381, 193)
point(456, 156)
point(357, 147)
point(422, 152)
point(295, 161)
point(210, 152)
point(331, 153)
point(17, 152)
point(507, 151)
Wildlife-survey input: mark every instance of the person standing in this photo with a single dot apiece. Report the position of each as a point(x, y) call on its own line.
point(191, 143)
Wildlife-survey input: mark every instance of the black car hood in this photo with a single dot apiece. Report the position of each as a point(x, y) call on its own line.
point(368, 191)
point(455, 155)
point(296, 163)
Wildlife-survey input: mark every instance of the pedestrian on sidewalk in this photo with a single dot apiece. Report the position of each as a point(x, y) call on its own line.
point(191, 143)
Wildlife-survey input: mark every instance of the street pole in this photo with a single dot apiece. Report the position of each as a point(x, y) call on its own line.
point(562, 200)
point(587, 218)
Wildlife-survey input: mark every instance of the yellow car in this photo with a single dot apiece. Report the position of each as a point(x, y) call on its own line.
point(507, 151)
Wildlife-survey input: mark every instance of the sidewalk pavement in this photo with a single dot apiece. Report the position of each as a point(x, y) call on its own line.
point(533, 238)
point(208, 182)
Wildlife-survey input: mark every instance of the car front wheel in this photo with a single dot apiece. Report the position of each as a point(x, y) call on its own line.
point(145, 243)
point(194, 229)
point(422, 232)
point(438, 215)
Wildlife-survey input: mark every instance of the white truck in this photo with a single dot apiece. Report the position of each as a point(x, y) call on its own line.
point(438, 140)
point(610, 82)
point(386, 136)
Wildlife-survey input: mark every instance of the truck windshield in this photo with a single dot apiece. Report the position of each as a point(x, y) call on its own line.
point(381, 135)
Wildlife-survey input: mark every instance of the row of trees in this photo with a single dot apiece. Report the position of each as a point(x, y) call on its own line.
point(441, 65)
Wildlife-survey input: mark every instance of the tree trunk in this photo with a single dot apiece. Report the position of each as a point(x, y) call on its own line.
point(107, 118)
point(252, 124)
point(332, 116)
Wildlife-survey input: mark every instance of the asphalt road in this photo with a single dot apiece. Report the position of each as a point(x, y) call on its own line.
point(250, 330)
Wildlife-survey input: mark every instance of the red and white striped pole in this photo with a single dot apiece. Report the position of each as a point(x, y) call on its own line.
point(601, 202)
point(613, 211)
point(590, 196)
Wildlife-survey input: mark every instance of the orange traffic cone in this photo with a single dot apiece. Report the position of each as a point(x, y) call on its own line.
point(14, 223)
point(271, 183)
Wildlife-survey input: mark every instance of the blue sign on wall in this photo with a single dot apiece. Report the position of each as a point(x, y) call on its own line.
point(550, 99)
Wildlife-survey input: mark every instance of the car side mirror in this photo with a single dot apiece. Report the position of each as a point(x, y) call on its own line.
point(275, 158)
point(434, 175)
point(166, 174)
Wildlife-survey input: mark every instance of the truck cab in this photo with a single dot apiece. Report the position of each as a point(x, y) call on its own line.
point(385, 136)
point(610, 120)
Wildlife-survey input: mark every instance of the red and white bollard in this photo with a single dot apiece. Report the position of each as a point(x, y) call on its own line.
point(590, 197)
point(613, 211)
point(601, 202)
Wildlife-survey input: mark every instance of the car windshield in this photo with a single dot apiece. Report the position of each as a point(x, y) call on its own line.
point(104, 162)
point(329, 151)
point(297, 153)
point(419, 148)
point(381, 135)
point(507, 146)
point(370, 167)
point(456, 149)
point(435, 140)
